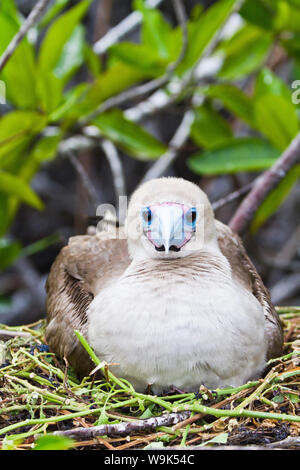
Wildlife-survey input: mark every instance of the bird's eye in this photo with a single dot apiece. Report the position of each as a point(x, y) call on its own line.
point(191, 217)
point(146, 216)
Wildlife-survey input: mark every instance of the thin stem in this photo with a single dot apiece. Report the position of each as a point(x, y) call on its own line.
point(32, 18)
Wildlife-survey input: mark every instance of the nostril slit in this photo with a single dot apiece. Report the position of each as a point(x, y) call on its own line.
point(174, 248)
point(160, 248)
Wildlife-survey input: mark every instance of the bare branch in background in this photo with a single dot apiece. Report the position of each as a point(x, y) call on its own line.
point(142, 90)
point(180, 137)
point(183, 131)
point(32, 18)
point(115, 164)
point(263, 185)
point(87, 183)
point(232, 196)
point(124, 429)
point(123, 28)
point(207, 67)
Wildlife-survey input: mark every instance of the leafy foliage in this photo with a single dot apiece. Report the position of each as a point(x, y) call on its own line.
point(41, 96)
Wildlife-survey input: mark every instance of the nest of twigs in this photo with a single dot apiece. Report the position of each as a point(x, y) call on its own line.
point(43, 405)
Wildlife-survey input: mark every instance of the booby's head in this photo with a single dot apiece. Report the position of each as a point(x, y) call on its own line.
point(169, 218)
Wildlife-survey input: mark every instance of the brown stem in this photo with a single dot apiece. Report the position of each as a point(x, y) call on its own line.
point(263, 185)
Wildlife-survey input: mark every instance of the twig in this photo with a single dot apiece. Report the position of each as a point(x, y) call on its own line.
point(176, 143)
point(183, 131)
point(88, 185)
point(115, 164)
point(232, 196)
point(263, 185)
point(6, 335)
point(206, 68)
point(124, 429)
point(32, 18)
point(286, 443)
point(123, 28)
point(142, 90)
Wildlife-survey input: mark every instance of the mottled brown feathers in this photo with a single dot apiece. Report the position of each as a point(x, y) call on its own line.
point(79, 272)
point(244, 272)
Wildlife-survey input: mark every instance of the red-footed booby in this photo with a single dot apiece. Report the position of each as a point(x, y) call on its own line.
point(177, 304)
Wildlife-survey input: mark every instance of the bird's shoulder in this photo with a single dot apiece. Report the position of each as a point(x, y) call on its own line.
point(82, 268)
point(245, 273)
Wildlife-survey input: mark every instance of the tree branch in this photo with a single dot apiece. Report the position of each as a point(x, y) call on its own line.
point(124, 429)
point(115, 164)
point(232, 196)
point(123, 28)
point(263, 186)
point(142, 90)
point(181, 135)
point(86, 182)
point(32, 18)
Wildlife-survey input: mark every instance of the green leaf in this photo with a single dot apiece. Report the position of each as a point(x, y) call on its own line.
point(46, 148)
point(219, 439)
point(244, 154)
point(71, 98)
point(287, 17)
point(268, 82)
point(19, 73)
point(139, 56)
point(72, 55)
point(275, 198)
point(50, 90)
point(278, 399)
point(58, 34)
point(9, 8)
point(92, 60)
point(15, 186)
point(147, 413)
point(258, 13)
point(52, 12)
point(106, 85)
point(244, 52)
point(52, 442)
point(233, 99)
point(292, 44)
point(129, 136)
point(9, 252)
point(16, 130)
point(156, 32)
point(276, 118)
point(202, 31)
point(209, 128)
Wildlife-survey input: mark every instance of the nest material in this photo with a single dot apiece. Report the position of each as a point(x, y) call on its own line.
point(40, 395)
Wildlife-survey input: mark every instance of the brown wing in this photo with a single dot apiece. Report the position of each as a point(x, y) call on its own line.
point(82, 268)
point(244, 272)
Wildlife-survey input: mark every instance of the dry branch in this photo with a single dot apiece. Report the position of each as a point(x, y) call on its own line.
point(180, 137)
point(123, 28)
point(32, 18)
point(232, 196)
point(141, 90)
point(127, 428)
point(263, 186)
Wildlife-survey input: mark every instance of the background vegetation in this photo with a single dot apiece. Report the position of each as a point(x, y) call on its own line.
point(201, 90)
